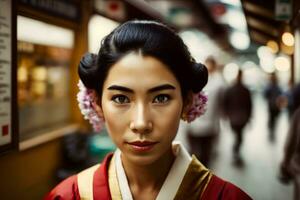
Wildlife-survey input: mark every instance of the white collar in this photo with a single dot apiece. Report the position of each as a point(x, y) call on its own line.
point(172, 182)
point(122, 179)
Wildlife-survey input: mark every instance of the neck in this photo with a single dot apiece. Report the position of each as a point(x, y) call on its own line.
point(150, 177)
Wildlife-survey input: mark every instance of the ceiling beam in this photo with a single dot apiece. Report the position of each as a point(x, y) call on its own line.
point(267, 35)
point(273, 22)
point(265, 27)
point(258, 37)
point(259, 10)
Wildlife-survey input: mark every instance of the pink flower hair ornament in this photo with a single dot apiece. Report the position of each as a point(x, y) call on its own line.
point(86, 100)
point(197, 108)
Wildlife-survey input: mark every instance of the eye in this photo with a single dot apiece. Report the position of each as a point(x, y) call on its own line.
point(120, 99)
point(162, 98)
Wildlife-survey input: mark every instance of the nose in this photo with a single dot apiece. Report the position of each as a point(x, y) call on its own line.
point(141, 120)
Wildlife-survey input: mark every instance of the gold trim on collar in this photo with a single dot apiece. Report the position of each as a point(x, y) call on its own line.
point(85, 183)
point(194, 182)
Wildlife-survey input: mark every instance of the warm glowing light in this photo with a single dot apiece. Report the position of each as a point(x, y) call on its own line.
point(38, 32)
point(98, 28)
point(267, 65)
point(253, 77)
point(264, 51)
point(239, 40)
point(39, 73)
point(266, 59)
point(288, 39)
point(230, 72)
point(273, 46)
point(282, 63)
point(22, 74)
point(235, 19)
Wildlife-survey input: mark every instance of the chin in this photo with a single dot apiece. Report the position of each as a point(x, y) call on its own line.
point(144, 159)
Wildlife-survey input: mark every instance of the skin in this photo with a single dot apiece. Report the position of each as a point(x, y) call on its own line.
point(142, 101)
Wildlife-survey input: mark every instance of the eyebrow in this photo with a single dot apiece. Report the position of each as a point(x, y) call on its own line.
point(162, 87)
point(154, 89)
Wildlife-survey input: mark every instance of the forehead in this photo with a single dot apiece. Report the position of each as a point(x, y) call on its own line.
point(136, 71)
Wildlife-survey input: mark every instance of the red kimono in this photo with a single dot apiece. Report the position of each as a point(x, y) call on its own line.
point(198, 183)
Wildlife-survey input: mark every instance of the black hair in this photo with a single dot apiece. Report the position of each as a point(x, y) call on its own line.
point(151, 39)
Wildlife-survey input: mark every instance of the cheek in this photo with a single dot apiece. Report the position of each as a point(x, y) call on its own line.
point(169, 119)
point(115, 121)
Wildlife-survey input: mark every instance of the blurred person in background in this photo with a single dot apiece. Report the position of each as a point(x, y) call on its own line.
point(293, 97)
point(238, 109)
point(290, 165)
point(274, 96)
point(141, 84)
point(289, 99)
point(203, 132)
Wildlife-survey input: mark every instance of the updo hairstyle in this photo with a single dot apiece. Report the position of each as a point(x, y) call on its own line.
point(151, 39)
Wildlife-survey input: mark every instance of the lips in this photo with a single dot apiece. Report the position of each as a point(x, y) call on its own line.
point(142, 146)
point(142, 143)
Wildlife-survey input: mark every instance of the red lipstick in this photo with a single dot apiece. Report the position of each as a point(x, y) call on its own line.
point(142, 146)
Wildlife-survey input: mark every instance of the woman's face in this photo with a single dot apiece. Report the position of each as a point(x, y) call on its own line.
point(142, 106)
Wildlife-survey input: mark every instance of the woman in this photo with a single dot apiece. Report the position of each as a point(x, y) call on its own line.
point(141, 83)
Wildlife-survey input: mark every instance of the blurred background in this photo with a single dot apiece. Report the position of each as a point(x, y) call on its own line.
point(252, 50)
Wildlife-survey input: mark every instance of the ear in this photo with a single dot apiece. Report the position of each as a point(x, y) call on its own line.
point(96, 103)
point(188, 102)
point(98, 110)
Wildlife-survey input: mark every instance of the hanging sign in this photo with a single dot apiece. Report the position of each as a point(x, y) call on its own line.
point(283, 10)
point(6, 68)
point(114, 9)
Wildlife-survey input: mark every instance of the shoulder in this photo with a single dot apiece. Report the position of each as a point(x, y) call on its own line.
point(74, 186)
point(83, 183)
point(231, 191)
point(221, 189)
point(66, 190)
